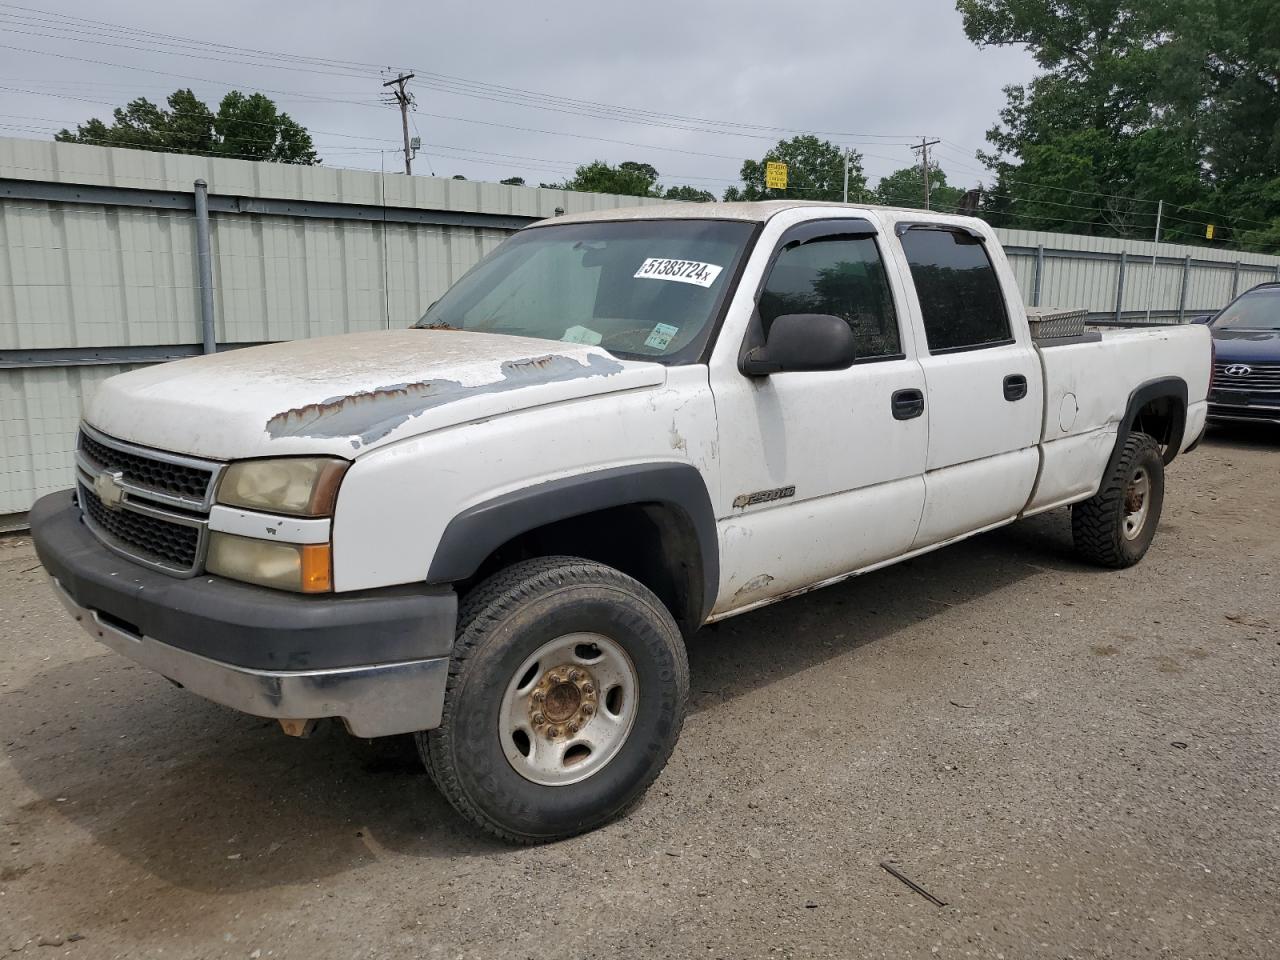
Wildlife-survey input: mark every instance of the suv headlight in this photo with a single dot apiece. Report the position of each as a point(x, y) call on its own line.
point(302, 486)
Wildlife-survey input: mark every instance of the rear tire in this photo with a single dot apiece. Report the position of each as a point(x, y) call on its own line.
point(1115, 526)
point(566, 694)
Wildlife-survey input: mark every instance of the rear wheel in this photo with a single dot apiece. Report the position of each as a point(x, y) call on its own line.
point(566, 695)
point(1114, 528)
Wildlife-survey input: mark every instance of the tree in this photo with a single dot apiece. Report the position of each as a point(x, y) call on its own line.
point(692, 194)
point(1139, 101)
point(513, 181)
point(246, 127)
point(815, 171)
point(905, 188)
point(629, 178)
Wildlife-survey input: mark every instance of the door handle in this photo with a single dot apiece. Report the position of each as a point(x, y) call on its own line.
point(907, 404)
point(1015, 386)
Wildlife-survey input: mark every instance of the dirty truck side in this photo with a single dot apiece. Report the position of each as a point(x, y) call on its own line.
point(495, 530)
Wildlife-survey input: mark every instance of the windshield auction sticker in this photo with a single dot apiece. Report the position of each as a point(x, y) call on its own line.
point(681, 271)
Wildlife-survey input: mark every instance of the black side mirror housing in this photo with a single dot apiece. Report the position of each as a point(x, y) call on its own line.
point(802, 341)
point(1206, 319)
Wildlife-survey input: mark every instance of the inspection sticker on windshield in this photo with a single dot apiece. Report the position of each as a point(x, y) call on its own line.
point(681, 271)
point(661, 336)
point(580, 334)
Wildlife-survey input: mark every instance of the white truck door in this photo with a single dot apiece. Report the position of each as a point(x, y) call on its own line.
point(822, 471)
point(984, 385)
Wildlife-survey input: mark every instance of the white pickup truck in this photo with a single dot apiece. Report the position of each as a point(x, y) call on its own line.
point(495, 530)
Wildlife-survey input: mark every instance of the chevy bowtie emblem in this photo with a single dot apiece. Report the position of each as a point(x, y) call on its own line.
point(1238, 370)
point(107, 486)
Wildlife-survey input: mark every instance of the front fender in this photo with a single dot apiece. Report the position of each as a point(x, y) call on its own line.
point(479, 530)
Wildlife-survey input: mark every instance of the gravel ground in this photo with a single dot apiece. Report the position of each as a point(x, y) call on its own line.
point(1080, 763)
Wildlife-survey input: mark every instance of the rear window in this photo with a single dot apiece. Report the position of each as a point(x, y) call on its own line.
point(960, 296)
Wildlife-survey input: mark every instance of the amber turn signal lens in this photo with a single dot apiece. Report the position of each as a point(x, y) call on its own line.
point(317, 568)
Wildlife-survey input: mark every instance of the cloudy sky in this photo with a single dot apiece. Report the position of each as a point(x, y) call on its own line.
point(532, 89)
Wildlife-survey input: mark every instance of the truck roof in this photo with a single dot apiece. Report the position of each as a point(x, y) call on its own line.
point(758, 211)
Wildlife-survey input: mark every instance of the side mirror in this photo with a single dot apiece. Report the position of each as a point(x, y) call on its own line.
point(802, 341)
point(1206, 319)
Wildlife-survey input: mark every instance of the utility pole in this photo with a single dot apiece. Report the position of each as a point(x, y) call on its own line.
point(404, 98)
point(1151, 277)
point(923, 147)
point(846, 174)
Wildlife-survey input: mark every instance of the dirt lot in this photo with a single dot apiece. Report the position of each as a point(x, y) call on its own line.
point(1079, 763)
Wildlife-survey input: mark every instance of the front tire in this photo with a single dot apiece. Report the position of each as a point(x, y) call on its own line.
point(1115, 526)
point(566, 694)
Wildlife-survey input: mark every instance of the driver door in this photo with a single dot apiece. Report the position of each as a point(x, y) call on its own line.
point(822, 471)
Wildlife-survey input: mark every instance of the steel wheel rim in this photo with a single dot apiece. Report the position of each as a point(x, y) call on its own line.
point(568, 709)
point(1137, 503)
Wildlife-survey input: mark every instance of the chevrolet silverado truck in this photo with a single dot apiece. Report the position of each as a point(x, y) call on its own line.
point(496, 529)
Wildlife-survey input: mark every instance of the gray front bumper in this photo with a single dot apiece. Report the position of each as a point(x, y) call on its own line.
point(373, 701)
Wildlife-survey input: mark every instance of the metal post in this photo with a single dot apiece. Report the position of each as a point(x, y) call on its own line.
point(1235, 280)
point(1124, 262)
point(1035, 291)
point(205, 264)
point(846, 175)
point(1182, 297)
point(1151, 277)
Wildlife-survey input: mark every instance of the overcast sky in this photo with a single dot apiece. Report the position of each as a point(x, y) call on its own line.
point(871, 74)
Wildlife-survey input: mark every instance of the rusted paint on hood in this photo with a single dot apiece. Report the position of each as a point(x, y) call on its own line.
point(369, 415)
point(347, 394)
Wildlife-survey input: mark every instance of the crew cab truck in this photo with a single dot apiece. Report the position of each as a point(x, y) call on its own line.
point(496, 529)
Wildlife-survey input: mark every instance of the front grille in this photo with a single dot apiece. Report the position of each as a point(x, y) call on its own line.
point(1261, 375)
point(164, 543)
point(153, 473)
point(158, 512)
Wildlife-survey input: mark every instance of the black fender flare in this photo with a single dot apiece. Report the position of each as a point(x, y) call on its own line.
point(1173, 388)
point(476, 532)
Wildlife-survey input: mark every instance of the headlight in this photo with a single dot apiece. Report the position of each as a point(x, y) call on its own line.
point(301, 567)
point(304, 486)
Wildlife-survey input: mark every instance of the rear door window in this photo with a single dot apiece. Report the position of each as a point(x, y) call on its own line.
point(960, 296)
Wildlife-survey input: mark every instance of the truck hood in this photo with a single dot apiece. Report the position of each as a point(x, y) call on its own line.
point(346, 394)
point(1242, 346)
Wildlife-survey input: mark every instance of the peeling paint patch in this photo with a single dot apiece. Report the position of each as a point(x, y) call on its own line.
point(753, 585)
point(369, 415)
point(677, 441)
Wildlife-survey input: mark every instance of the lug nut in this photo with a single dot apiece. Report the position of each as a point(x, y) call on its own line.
point(539, 696)
point(575, 675)
point(588, 709)
point(573, 727)
point(539, 718)
point(588, 688)
point(553, 731)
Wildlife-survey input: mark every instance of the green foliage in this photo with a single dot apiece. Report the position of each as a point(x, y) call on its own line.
point(245, 127)
point(905, 188)
point(629, 178)
point(1139, 101)
point(815, 171)
point(692, 194)
point(513, 181)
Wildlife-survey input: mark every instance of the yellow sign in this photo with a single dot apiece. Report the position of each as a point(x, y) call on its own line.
point(1208, 231)
point(775, 175)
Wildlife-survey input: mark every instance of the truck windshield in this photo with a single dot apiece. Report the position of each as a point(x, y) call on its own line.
point(1256, 310)
point(646, 289)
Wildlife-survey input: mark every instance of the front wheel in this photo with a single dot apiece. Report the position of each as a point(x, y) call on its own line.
point(1115, 526)
point(566, 695)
